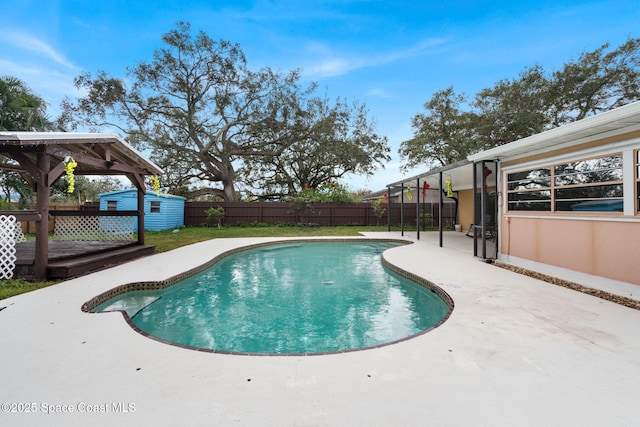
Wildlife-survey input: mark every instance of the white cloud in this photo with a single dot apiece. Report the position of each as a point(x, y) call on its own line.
point(379, 93)
point(37, 46)
point(331, 64)
point(12, 68)
point(43, 69)
point(330, 68)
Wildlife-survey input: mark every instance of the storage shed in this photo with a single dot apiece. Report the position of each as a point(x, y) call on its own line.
point(161, 211)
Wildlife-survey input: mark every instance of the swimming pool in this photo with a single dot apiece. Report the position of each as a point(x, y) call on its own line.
point(288, 298)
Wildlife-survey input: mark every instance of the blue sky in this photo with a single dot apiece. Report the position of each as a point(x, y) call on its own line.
point(390, 55)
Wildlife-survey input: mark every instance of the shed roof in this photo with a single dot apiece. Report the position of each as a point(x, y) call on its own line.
point(134, 190)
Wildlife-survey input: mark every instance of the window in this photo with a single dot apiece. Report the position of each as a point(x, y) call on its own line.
point(112, 205)
point(530, 190)
point(637, 157)
point(589, 185)
point(155, 207)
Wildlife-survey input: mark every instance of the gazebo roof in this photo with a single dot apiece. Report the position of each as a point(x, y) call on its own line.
point(40, 159)
point(95, 153)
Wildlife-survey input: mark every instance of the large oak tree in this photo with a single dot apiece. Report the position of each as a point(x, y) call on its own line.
point(338, 139)
point(201, 111)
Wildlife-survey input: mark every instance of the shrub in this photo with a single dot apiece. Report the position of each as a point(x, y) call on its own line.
point(215, 214)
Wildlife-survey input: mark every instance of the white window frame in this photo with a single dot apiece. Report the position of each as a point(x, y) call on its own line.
point(154, 203)
point(628, 148)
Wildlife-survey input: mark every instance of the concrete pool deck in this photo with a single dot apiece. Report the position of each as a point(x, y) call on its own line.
point(515, 351)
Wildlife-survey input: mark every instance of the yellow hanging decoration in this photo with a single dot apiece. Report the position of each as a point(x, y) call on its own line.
point(449, 188)
point(409, 194)
point(69, 166)
point(156, 185)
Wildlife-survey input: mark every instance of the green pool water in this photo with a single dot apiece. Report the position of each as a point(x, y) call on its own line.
point(309, 297)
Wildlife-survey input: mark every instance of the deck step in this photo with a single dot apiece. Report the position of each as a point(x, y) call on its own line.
point(65, 268)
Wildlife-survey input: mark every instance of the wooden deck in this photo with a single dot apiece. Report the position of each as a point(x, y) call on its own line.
point(74, 258)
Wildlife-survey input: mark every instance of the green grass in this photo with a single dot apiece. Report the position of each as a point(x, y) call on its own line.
point(11, 287)
point(168, 240)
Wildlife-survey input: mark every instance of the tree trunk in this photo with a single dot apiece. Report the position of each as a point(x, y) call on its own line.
point(229, 191)
point(228, 176)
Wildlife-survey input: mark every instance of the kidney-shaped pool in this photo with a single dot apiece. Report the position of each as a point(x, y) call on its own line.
point(289, 298)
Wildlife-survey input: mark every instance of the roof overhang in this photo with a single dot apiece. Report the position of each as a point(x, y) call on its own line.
point(618, 122)
point(609, 124)
point(460, 173)
point(95, 153)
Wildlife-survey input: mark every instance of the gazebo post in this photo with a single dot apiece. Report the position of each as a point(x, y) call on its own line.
point(42, 225)
point(141, 192)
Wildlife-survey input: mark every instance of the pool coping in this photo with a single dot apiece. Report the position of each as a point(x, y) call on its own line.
point(103, 297)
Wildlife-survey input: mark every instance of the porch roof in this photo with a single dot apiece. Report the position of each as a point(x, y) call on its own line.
point(460, 173)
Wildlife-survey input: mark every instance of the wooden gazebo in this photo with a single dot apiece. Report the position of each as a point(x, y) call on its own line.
point(40, 158)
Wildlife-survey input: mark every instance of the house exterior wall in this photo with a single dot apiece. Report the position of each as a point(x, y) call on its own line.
point(590, 246)
point(603, 244)
point(465, 209)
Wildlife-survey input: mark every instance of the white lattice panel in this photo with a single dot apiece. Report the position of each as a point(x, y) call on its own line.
point(19, 235)
point(117, 227)
point(7, 246)
point(93, 228)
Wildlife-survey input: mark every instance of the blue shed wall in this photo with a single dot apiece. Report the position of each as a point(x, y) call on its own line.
point(171, 208)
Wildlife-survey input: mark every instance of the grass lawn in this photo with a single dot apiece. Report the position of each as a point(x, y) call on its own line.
point(168, 240)
point(11, 287)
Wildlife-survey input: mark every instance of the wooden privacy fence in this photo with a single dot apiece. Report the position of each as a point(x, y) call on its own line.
point(326, 214)
point(282, 213)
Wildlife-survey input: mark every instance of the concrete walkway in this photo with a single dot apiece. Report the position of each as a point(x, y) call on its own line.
point(515, 352)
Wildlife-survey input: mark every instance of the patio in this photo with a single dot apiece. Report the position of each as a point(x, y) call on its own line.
point(515, 351)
